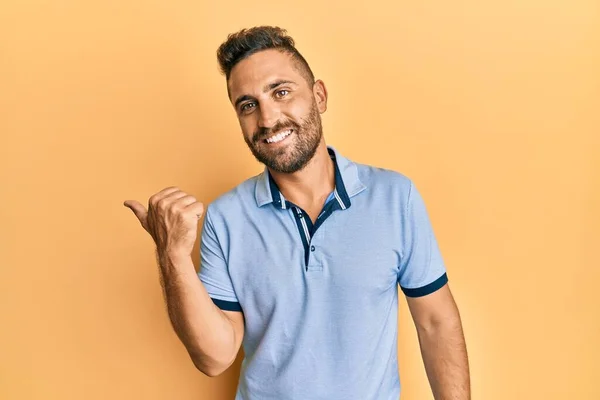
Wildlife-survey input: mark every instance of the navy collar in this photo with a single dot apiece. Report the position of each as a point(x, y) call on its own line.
point(347, 184)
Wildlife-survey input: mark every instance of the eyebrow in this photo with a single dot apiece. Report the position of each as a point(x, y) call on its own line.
point(266, 88)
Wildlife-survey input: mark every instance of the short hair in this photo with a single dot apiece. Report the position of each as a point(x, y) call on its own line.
point(244, 43)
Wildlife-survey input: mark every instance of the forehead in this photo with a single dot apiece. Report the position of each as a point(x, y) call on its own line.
point(250, 75)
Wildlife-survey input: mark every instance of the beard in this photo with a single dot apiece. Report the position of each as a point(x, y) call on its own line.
point(294, 156)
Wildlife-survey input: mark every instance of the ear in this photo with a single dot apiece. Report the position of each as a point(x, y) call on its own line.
point(320, 93)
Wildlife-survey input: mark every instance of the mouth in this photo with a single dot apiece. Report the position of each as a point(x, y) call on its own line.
point(279, 137)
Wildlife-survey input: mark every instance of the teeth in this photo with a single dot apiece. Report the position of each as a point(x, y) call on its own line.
point(279, 137)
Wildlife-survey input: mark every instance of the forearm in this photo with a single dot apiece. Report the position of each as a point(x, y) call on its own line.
point(446, 362)
point(204, 329)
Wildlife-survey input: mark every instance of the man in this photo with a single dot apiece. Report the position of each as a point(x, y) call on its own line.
point(301, 263)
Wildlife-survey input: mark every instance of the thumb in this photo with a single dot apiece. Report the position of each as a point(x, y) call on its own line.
point(139, 210)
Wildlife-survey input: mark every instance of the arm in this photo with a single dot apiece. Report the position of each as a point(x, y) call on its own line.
point(211, 336)
point(442, 344)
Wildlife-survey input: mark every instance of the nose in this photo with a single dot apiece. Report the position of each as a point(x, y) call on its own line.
point(268, 115)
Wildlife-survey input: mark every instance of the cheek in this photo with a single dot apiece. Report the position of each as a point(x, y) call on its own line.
point(300, 110)
point(248, 127)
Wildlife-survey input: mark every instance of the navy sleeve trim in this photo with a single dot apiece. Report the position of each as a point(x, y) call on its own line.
point(428, 289)
point(227, 305)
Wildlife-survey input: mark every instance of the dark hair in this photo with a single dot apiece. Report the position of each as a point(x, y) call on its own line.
point(246, 42)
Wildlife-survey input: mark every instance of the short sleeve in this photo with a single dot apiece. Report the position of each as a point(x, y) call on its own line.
point(214, 273)
point(422, 270)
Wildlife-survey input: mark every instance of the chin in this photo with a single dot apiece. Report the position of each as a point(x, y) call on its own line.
point(287, 165)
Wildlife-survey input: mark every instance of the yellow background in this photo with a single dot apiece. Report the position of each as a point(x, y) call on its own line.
point(492, 107)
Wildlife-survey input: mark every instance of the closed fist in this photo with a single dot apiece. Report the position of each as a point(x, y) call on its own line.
point(171, 219)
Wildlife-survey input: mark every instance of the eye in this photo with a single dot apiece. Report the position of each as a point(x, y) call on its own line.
point(281, 93)
point(247, 107)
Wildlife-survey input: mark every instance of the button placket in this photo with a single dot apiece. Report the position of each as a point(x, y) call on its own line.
point(315, 264)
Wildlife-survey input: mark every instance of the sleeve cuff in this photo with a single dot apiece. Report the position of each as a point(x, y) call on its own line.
point(227, 305)
point(427, 289)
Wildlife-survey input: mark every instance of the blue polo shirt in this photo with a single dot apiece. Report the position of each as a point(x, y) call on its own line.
point(320, 301)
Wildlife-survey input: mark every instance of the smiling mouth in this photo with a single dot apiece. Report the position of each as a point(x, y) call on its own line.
point(279, 137)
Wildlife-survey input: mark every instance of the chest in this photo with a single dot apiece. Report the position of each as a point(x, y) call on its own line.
point(347, 258)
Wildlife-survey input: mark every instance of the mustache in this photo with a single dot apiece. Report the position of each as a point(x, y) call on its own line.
point(263, 133)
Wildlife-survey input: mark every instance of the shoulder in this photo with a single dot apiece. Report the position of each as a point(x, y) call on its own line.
point(234, 201)
point(384, 179)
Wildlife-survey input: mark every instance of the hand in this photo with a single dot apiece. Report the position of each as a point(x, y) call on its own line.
point(171, 219)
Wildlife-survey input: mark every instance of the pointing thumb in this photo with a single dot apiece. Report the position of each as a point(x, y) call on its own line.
point(139, 210)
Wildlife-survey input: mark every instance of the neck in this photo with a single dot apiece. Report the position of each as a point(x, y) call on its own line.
point(313, 183)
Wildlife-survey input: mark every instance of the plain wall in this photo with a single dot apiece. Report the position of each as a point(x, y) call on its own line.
point(491, 107)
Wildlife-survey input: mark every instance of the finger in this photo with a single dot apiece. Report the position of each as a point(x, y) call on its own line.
point(139, 210)
point(196, 208)
point(169, 199)
point(175, 196)
point(186, 200)
point(162, 194)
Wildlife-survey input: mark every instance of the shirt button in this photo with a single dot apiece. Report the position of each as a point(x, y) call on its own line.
point(312, 248)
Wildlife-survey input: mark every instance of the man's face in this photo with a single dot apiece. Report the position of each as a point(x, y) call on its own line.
point(279, 112)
